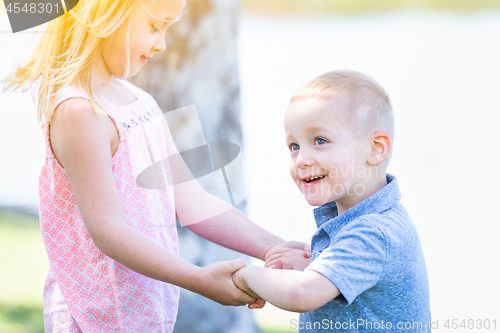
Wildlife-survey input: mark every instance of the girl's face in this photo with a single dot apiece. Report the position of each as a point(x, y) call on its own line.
point(147, 36)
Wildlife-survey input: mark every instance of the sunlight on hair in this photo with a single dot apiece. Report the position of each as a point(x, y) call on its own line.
point(68, 50)
point(159, 19)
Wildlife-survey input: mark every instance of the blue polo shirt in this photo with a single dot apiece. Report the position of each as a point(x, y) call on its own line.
point(372, 254)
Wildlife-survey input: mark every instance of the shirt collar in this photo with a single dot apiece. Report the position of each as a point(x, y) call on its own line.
point(384, 199)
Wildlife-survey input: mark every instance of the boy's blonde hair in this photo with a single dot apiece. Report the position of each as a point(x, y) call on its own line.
point(365, 106)
point(67, 52)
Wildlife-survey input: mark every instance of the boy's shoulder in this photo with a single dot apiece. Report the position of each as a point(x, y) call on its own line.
point(380, 220)
point(382, 210)
point(393, 220)
point(389, 226)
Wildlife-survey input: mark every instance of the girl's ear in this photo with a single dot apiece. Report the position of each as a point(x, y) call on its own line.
point(381, 146)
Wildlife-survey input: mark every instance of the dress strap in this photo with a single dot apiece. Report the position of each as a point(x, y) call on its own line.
point(68, 93)
point(64, 95)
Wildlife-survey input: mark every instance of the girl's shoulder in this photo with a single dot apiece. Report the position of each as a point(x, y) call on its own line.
point(71, 91)
point(68, 93)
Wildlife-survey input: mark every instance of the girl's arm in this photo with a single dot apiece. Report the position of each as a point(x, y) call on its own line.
point(81, 142)
point(297, 291)
point(232, 229)
point(218, 221)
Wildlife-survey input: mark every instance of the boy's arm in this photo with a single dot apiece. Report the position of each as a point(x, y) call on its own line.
point(289, 290)
point(232, 229)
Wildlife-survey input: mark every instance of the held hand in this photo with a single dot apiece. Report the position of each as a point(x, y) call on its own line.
point(217, 285)
point(289, 255)
point(240, 282)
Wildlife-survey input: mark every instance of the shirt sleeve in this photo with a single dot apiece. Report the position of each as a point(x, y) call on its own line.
point(354, 261)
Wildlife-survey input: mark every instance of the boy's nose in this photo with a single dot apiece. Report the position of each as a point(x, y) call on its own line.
point(303, 160)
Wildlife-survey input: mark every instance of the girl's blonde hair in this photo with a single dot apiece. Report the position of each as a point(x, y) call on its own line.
point(66, 54)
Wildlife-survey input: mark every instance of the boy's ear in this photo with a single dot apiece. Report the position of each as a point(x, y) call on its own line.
point(381, 146)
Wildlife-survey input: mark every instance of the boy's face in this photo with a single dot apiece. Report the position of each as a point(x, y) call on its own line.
point(328, 163)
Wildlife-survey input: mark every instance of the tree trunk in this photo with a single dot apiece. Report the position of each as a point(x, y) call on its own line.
point(199, 67)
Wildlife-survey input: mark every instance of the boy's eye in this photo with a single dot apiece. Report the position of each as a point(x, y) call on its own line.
point(294, 147)
point(320, 141)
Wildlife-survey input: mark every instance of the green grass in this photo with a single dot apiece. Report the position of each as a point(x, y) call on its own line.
point(21, 319)
point(328, 7)
point(23, 267)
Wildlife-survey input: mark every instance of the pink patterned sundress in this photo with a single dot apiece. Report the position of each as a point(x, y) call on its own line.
point(85, 290)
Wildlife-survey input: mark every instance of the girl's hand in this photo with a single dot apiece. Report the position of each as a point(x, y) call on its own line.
point(240, 282)
point(217, 284)
point(289, 255)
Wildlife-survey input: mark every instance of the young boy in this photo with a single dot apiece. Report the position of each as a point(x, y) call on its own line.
point(367, 270)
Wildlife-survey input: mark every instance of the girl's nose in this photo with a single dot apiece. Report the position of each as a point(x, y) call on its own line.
point(160, 44)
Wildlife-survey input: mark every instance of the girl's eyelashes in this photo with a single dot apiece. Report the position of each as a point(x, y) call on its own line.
point(161, 24)
point(157, 28)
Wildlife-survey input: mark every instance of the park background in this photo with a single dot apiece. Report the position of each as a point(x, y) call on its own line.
point(439, 62)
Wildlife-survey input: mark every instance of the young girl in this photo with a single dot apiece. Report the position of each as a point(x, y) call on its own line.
point(111, 244)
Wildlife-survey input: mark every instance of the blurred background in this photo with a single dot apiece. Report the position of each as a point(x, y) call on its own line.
point(439, 62)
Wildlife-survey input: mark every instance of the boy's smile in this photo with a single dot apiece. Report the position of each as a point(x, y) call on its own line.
point(328, 163)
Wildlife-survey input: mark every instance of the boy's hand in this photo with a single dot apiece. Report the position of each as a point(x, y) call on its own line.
point(240, 282)
point(289, 255)
point(216, 283)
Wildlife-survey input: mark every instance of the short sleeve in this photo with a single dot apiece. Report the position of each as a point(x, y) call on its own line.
point(354, 261)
